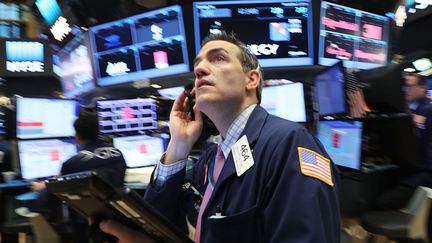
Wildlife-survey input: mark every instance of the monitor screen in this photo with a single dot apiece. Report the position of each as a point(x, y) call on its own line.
point(126, 115)
point(44, 158)
point(49, 10)
point(171, 93)
point(286, 101)
point(45, 118)
point(278, 32)
point(330, 91)
point(141, 150)
point(416, 9)
point(152, 44)
point(76, 70)
point(342, 141)
point(357, 37)
point(25, 58)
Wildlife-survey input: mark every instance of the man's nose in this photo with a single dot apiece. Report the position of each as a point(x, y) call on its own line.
point(201, 70)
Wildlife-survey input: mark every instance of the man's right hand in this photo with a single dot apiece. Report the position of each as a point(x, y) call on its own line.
point(124, 234)
point(184, 131)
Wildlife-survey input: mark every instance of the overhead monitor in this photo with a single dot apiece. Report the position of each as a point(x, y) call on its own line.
point(416, 9)
point(44, 158)
point(45, 117)
point(357, 37)
point(148, 45)
point(141, 150)
point(278, 32)
point(25, 58)
point(286, 101)
point(126, 115)
point(342, 141)
point(329, 91)
point(49, 10)
point(75, 66)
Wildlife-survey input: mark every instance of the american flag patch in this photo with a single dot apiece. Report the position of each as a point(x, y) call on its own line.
point(315, 165)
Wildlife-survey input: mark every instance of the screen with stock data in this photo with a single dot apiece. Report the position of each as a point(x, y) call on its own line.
point(140, 150)
point(278, 32)
point(342, 141)
point(357, 37)
point(45, 118)
point(148, 45)
point(126, 115)
point(286, 101)
point(44, 157)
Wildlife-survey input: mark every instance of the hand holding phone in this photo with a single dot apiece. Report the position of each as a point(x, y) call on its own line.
point(185, 127)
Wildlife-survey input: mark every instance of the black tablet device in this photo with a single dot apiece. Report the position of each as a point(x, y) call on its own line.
point(90, 195)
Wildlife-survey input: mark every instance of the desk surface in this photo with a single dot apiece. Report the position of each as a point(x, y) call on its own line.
point(15, 183)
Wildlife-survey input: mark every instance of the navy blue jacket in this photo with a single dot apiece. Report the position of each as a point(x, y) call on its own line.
point(105, 160)
point(271, 202)
point(424, 132)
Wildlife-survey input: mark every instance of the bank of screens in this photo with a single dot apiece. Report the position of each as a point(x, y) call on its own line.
point(278, 32)
point(45, 118)
point(357, 37)
point(330, 91)
point(126, 115)
point(44, 158)
point(152, 44)
point(342, 141)
point(286, 101)
point(75, 66)
point(140, 150)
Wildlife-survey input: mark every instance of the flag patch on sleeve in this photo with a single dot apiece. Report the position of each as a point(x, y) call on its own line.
point(315, 165)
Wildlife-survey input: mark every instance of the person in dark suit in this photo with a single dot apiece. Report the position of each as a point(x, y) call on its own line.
point(420, 107)
point(95, 155)
point(268, 180)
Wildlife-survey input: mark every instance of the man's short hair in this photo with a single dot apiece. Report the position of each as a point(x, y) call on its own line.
point(421, 80)
point(248, 60)
point(87, 127)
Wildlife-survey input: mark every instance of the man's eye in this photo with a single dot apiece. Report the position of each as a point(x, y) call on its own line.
point(220, 58)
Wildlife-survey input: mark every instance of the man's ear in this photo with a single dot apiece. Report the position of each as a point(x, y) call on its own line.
point(253, 79)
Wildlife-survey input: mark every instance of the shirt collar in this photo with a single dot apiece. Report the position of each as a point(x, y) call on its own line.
point(414, 105)
point(235, 129)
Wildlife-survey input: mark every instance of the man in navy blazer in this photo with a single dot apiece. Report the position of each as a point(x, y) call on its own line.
point(420, 107)
point(277, 183)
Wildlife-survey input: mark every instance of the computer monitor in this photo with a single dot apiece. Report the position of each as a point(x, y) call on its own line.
point(140, 150)
point(126, 115)
point(278, 32)
point(171, 93)
point(44, 158)
point(75, 66)
point(45, 117)
point(286, 101)
point(359, 38)
point(148, 45)
point(343, 141)
point(329, 91)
